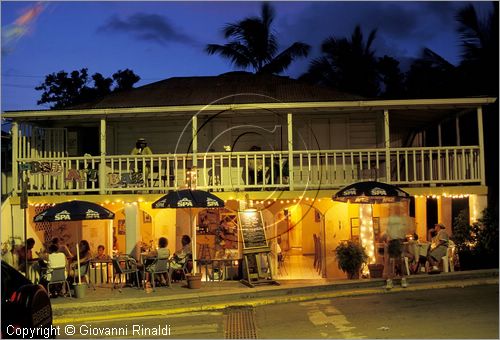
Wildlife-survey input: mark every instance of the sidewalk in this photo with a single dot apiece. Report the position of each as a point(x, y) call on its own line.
point(106, 303)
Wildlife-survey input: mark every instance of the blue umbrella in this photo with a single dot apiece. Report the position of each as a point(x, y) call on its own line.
point(187, 198)
point(371, 192)
point(74, 211)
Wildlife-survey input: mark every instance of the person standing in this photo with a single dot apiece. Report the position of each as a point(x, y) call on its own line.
point(141, 148)
point(25, 252)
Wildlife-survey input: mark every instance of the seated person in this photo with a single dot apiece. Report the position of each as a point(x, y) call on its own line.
point(161, 253)
point(183, 255)
point(55, 259)
point(439, 247)
point(101, 255)
point(85, 256)
point(255, 168)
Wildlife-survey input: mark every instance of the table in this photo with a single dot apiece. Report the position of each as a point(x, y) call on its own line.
point(101, 271)
point(220, 269)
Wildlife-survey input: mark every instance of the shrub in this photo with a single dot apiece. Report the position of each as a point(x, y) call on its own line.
point(350, 257)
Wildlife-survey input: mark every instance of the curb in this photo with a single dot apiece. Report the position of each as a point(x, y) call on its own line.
point(261, 301)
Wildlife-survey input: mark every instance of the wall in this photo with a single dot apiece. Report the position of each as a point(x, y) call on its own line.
point(310, 226)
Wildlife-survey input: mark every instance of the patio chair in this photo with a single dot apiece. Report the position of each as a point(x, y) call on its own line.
point(124, 265)
point(85, 274)
point(159, 266)
point(58, 275)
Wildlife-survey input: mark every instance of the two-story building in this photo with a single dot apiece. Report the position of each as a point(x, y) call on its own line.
point(214, 131)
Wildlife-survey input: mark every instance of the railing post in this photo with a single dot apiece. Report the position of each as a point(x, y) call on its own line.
point(481, 144)
point(290, 150)
point(15, 153)
point(102, 162)
point(387, 143)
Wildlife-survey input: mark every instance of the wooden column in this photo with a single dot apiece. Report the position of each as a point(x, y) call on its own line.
point(387, 143)
point(195, 139)
point(481, 144)
point(102, 162)
point(290, 149)
point(15, 154)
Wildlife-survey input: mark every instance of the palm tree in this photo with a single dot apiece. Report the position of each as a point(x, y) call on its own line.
point(479, 50)
point(253, 44)
point(347, 65)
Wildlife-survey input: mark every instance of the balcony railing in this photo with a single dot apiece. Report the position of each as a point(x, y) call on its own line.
point(235, 171)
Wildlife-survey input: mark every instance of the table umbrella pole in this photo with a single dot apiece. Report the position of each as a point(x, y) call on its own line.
point(78, 262)
point(193, 241)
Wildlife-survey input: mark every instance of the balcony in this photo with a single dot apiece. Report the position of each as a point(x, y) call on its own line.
point(229, 171)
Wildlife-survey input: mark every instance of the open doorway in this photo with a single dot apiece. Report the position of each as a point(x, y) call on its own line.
point(299, 231)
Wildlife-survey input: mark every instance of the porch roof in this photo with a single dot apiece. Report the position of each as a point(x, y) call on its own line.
point(249, 93)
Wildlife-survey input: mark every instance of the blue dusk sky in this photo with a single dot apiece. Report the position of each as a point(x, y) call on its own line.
point(159, 40)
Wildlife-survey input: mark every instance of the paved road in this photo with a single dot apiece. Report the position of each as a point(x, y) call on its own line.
point(470, 312)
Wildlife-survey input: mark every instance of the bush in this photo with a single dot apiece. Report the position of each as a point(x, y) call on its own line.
point(477, 245)
point(350, 257)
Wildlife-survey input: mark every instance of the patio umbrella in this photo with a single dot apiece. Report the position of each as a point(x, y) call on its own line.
point(373, 192)
point(189, 199)
point(75, 211)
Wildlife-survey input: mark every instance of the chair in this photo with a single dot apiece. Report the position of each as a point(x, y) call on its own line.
point(159, 266)
point(58, 275)
point(84, 273)
point(124, 265)
point(281, 264)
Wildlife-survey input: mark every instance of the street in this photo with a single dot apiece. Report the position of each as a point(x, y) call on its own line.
point(470, 312)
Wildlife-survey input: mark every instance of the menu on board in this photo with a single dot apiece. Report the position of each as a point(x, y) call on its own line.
point(252, 229)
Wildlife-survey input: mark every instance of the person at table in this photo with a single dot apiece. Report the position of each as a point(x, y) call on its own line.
point(25, 252)
point(161, 253)
point(85, 256)
point(63, 247)
point(55, 259)
point(182, 255)
point(439, 246)
point(101, 255)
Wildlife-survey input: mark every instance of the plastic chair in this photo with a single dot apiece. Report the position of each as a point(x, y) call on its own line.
point(58, 275)
point(159, 266)
point(129, 267)
point(85, 273)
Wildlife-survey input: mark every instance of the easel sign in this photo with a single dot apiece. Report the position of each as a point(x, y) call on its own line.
point(255, 249)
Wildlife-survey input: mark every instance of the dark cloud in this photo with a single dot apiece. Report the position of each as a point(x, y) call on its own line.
point(149, 27)
point(403, 28)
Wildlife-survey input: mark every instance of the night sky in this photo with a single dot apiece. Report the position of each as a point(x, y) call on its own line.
point(159, 40)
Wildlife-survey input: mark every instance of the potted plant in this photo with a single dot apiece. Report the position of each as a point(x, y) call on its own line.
point(350, 258)
point(376, 270)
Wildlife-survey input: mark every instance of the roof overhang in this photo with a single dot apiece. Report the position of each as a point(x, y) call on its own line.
point(400, 104)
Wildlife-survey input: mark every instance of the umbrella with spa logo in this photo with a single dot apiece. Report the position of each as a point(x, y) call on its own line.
point(75, 211)
point(373, 192)
point(187, 198)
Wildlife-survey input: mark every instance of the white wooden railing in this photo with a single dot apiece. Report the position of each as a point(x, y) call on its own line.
point(228, 171)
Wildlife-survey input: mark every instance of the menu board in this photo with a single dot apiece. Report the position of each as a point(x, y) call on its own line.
point(252, 229)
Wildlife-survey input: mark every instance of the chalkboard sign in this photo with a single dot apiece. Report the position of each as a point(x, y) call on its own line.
point(252, 229)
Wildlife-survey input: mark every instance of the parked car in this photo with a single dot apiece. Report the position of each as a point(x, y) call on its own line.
point(25, 306)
